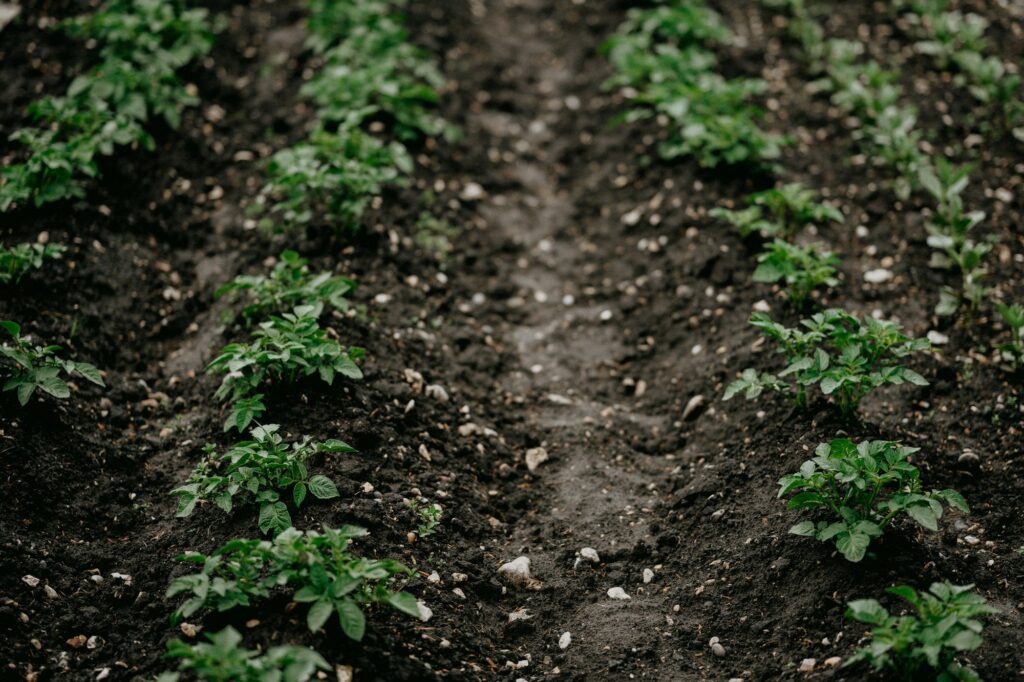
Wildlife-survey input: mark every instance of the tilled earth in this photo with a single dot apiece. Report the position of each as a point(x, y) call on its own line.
point(590, 313)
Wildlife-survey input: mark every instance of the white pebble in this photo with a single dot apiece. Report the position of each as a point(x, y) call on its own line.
point(877, 276)
point(648, 576)
point(517, 571)
point(565, 640)
point(618, 593)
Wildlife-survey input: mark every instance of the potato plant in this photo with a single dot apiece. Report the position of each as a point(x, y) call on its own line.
point(371, 73)
point(142, 45)
point(283, 350)
point(944, 622)
point(28, 367)
point(1012, 350)
point(222, 659)
point(263, 469)
point(949, 234)
point(660, 54)
point(289, 284)
point(863, 487)
point(331, 177)
point(844, 356)
point(780, 212)
point(801, 268)
point(318, 568)
point(18, 260)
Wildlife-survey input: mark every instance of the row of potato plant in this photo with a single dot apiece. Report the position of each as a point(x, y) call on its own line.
point(872, 95)
point(142, 44)
point(956, 41)
point(372, 79)
point(863, 486)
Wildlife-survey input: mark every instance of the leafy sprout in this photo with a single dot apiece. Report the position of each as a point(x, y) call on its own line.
point(863, 487)
point(29, 367)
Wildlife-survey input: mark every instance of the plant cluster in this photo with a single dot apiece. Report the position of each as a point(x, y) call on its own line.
point(1013, 350)
point(370, 73)
point(318, 568)
point(29, 367)
point(944, 622)
point(801, 268)
point(288, 285)
point(141, 44)
point(660, 54)
point(221, 659)
point(956, 40)
point(864, 487)
point(846, 357)
point(949, 234)
point(17, 261)
point(429, 517)
point(283, 349)
point(262, 468)
point(780, 214)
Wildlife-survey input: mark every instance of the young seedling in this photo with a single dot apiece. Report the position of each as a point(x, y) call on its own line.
point(435, 236)
point(801, 268)
point(17, 261)
point(863, 487)
point(429, 515)
point(289, 284)
point(945, 622)
point(844, 356)
point(779, 212)
point(317, 567)
point(332, 176)
point(262, 469)
point(30, 367)
point(1013, 316)
point(221, 659)
point(949, 234)
point(284, 349)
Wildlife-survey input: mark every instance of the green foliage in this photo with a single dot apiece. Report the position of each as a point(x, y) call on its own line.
point(863, 486)
point(142, 44)
point(435, 235)
point(371, 74)
point(283, 349)
point(221, 659)
point(317, 567)
point(429, 515)
point(659, 53)
point(374, 71)
point(944, 623)
point(330, 177)
point(800, 268)
point(30, 367)
point(948, 234)
point(1013, 316)
point(263, 468)
point(780, 212)
point(289, 284)
point(845, 357)
point(16, 261)
point(867, 92)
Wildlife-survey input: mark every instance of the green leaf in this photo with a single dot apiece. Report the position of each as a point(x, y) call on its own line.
point(955, 500)
point(805, 528)
point(299, 494)
point(853, 546)
point(353, 622)
point(322, 487)
point(867, 611)
point(924, 515)
point(318, 614)
point(274, 516)
point(404, 603)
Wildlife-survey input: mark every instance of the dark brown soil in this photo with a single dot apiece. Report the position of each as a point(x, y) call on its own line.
point(555, 324)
